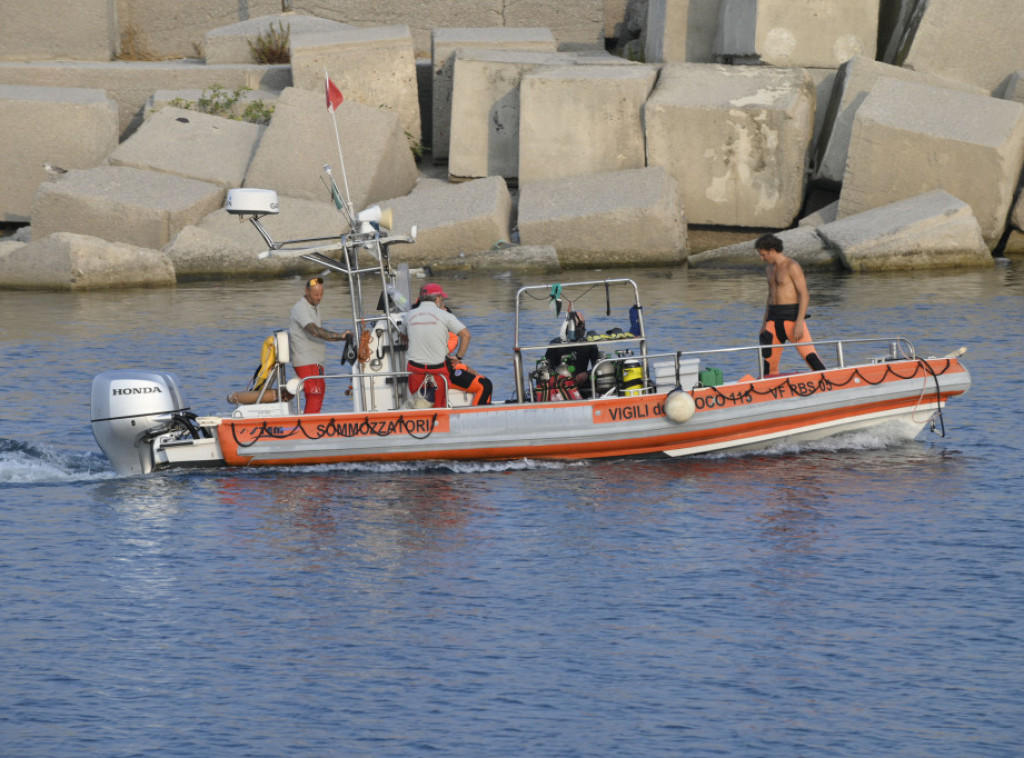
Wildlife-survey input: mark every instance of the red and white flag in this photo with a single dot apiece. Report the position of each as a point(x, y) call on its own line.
point(333, 94)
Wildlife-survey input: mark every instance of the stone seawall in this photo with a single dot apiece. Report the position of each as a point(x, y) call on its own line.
point(713, 125)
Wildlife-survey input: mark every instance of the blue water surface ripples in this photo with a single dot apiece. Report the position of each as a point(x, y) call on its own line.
point(853, 597)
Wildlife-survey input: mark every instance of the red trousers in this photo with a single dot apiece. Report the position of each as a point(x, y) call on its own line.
point(419, 373)
point(313, 389)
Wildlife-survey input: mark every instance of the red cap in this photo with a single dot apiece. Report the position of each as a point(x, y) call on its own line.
point(432, 290)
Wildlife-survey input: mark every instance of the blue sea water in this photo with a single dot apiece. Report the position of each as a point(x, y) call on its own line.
point(860, 597)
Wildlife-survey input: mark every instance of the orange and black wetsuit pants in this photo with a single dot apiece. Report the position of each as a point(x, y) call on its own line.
point(778, 330)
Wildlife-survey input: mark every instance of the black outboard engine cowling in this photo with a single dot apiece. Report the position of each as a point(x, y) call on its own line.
point(129, 409)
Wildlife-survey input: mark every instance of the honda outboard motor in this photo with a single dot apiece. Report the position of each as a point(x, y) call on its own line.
point(129, 409)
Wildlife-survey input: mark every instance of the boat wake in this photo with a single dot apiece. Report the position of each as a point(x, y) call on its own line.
point(876, 438)
point(28, 463)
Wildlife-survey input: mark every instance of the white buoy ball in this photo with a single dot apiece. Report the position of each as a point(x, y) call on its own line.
point(679, 405)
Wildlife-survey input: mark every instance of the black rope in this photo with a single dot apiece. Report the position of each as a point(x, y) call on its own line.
point(811, 387)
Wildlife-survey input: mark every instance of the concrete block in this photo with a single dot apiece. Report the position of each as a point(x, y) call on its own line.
point(230, 44)
point(301, 139)
point(130, 83)
point(748, 132)
point(852, 83)
point(909, 138)
point(70, 30)
point(621, 218)
point(7, 246)
point(502, 261)
point(825, 215)
point(120, 204)
point(200, 254)
point(582, 120)
point(893, 16)
point(445, 43)
point(802, 244)
point(177, 30)
point(824, 82)
point(1014, 247)
point(615, 18)
point(66, 261)
point(978, 43)
point(1017, 217)
point(451, 219)
point(1014, 89)
point(576, 24)
point(193, 145)
point(680, 31)
point(69, 128)
point(298, 219)
point(485, 110)
point(374, 66)
point(791, 33)
point(926, 231)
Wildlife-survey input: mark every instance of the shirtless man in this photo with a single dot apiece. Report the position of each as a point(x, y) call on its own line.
point(786, 308)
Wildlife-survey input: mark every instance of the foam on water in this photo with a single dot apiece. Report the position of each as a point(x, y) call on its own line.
point(26, 463)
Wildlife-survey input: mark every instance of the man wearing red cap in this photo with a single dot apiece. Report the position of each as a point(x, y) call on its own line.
point(429, 325)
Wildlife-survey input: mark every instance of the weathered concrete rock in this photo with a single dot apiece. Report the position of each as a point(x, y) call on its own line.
point(824, 82)
point(120, 204)
point(978, 43)
point(178, 29)
point(748, 131)
point(680, 31)
point(854, 80)
point(230, 44)
point(69, 128)
point(621, 218)
point(69, 30)
point(301, 139)
point(451, 219)
point(8, 246)
point(130, 83)
point(824, 215)
point(501, 261)
point(373, 66)
point(66, 261)
point(1014, 89)
point(789, 33)
point(485, 107)
point(193, 145)
point(1015, 239)
point(297, 219)
point(909, 138)
point(199, 254)
point(582, 120)
point(445, 43)
point(802, 244)
point(926, 231)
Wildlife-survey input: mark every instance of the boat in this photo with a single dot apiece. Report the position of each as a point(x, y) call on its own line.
point(637, 400)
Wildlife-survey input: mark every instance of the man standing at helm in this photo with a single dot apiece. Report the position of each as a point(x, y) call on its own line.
point(786, 309)
point(308, 343)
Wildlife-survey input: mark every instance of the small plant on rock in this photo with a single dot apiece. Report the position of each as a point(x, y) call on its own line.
point(273, 45)
point(217, 101)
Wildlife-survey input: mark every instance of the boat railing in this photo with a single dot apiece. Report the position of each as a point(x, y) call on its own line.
point(297, 383)
point(895, 348)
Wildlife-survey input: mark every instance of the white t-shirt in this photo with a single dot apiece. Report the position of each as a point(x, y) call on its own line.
point(428, 328)
point(305, 350)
